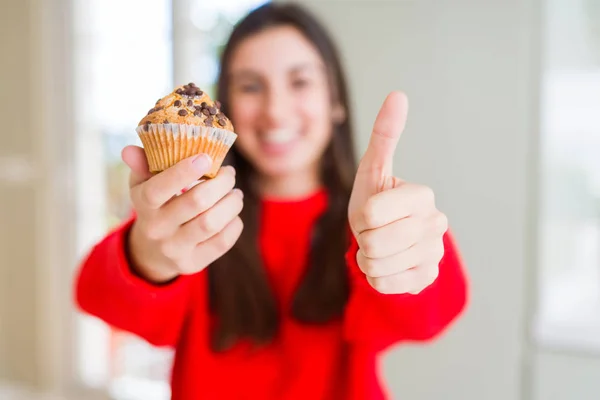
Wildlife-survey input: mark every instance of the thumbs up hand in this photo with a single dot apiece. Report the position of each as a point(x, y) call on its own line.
point(396, 224)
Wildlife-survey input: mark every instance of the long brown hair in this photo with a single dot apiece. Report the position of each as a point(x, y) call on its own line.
point(240, 296)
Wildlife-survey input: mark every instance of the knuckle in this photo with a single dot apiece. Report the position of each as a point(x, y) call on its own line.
point(428, 275)
point(438, 251)
point(198, 199)
point(367, 244)
point(369, 213)
point(431, 275)
point(230, 236)
point(149, 195)
point(209, 223)
point(379, 284)
point(223, 242)
point(441, 223)
point(426, 194)
point(225, 180)
point(167, 249)
point(367, 265)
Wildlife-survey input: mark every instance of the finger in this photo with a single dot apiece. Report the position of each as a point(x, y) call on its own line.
point(429, 251)
point(428, 273)
point(392, 238)
point(400, 283)
point(391, 205)
point(213, 221)
point(207, 252)
point(197, 200)
point(135, 158)
point(160, 188)
point(412, 281)
point(387, 129)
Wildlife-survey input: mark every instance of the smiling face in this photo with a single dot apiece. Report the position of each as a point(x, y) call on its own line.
point(280, 103)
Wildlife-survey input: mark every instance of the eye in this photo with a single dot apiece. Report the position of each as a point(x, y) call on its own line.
point(300, 83)
point(250, 87)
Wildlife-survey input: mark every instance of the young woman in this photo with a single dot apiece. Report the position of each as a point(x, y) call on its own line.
point(287, 275)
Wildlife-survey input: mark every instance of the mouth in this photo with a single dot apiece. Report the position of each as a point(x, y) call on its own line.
point(279, 141)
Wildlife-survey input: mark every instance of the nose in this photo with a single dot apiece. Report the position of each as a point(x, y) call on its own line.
point(277, 108)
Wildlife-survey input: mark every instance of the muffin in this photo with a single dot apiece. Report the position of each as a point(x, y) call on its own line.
point(184, 123)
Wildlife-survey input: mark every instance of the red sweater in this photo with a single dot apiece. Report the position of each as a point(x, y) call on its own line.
point(303, 362)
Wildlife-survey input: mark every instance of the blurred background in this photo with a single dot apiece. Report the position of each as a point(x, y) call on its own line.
point(504, 125)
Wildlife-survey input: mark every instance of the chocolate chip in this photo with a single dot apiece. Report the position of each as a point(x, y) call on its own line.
point(192, 84)
point(179, 91)
point(197, 113)
point(199, 108)
point(221, 116)
point(212, 110)
point(199, 92)
point(217, 104)
point(222, 122)
point(166, 121)
point(177, 103)
point(203, 104)
point(190, 91)
point(183, 113)
point(147, 126)
point(155, 109)
point(205, 111)
point(208, 121)
point(190, 103)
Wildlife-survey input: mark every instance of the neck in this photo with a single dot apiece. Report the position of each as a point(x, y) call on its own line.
point(290, 186)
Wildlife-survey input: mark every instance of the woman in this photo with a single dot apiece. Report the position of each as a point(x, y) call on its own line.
point(292, 284)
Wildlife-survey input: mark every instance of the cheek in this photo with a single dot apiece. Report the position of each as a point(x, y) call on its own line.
point(316, 117)
point(244, 115)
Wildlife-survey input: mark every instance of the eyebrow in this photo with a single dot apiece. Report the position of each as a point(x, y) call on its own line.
point(248, 73)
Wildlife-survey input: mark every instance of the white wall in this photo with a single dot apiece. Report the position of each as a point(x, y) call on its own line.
point(564, 376)
point(470, 71)
point(34, 111)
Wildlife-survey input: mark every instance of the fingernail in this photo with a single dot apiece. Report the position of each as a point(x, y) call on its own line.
point(202, 163)
point(239, 192)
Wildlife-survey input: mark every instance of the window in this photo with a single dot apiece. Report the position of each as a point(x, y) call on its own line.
point(569, 274)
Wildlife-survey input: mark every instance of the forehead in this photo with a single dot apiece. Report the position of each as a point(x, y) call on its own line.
point(273, 50)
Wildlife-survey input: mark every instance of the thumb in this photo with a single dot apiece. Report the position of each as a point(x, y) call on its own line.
point(135, 158)
point(387, 129)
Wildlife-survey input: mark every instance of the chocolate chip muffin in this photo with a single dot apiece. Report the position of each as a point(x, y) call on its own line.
point(184, 123)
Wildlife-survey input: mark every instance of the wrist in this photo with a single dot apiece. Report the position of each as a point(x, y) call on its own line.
point(142, 266)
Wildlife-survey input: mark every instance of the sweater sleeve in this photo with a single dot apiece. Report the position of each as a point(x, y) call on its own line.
point(106, 288)
point(381, 320)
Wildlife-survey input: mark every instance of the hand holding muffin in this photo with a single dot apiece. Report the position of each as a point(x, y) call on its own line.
point(185, 137)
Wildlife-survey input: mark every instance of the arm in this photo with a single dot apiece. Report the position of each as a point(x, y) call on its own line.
point(107, 288)
point(175, 236)
point(381, 320)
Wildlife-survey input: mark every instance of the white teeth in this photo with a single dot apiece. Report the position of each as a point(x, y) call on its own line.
point(279, 137)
